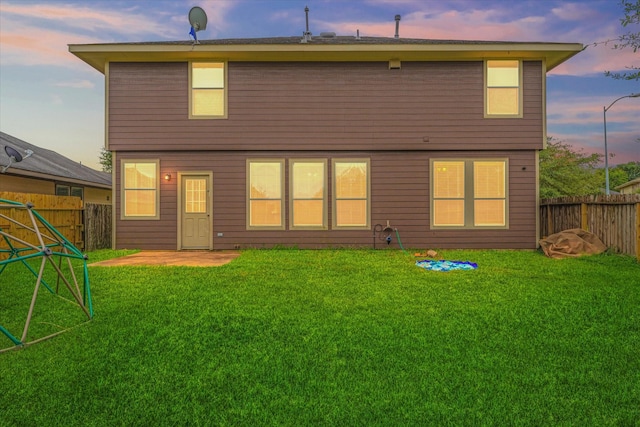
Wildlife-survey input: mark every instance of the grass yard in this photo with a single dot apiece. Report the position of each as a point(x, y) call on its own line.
point(345, 337)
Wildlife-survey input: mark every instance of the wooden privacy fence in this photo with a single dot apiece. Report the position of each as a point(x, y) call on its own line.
point(62, 212)
point(88, 227)
point(615, 219)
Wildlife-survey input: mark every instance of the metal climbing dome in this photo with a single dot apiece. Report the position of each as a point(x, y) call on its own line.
point(51, 259)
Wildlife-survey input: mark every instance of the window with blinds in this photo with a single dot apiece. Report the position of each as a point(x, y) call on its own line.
point(351, 201)
point(448, 194)
point(469, 193)
point(503, 89)
point(140, 193)
point(265, 194)
point(308, 180)
point(208, 95)
point(311, 199)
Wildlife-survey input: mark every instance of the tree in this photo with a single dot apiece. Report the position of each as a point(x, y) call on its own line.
point(567, 172)
point(105, 160)
point(617, 177)
point(621, 174)
point(632, 169)
point(631, 39)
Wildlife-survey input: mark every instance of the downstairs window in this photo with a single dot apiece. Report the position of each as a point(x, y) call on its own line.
point(265, 194)
point(140, 193)
point(469, 194)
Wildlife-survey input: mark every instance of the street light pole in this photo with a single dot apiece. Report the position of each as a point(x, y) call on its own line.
point(606, 153)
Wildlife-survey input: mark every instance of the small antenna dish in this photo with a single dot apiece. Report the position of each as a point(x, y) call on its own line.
point(198, 21)
point(14, 156)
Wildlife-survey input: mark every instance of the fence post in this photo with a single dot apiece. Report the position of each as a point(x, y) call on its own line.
point(584, 219)
point(638, 231)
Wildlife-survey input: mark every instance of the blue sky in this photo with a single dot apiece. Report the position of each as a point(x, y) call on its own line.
point(51, 99)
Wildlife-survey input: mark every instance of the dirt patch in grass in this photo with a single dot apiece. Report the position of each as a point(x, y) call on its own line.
point(173, 258)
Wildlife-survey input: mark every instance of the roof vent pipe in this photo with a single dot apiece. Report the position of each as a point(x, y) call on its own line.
point(306, 15)
point(306, 36)
point(397, 26)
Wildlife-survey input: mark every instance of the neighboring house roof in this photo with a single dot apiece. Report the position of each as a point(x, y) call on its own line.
point(324, 48)
point(47, 164)
point(631, 183)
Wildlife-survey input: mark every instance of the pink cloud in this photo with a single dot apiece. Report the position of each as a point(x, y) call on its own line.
point(588, 110)
point(597, 60)
point(26, 41)
point(586, 117)
point(622, 146)
point(447, 25)
point(38, 46)
point(83, 18)
point(494, 24)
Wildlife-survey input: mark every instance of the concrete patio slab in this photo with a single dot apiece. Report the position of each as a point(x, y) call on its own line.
point(172, 258)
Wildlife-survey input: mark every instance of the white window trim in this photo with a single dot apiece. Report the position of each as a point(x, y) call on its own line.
point(520, 91)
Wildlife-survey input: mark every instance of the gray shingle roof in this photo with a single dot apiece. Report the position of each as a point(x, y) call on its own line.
point(50, 163)
point(328, 40)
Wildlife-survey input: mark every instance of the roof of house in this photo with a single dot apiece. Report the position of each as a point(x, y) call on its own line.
point(47, 164)
point(326, 47)
point(628, 184)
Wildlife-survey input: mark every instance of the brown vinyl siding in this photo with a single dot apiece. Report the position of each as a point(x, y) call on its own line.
point(399, 119)
point(399, 194)
point(322, 106)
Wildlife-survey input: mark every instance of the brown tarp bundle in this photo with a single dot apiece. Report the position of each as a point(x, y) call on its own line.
point(572, 243)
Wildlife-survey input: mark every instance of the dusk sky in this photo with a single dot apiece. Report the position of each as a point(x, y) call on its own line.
point(50, 98)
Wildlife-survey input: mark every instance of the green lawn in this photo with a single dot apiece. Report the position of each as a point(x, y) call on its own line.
point(346, 337)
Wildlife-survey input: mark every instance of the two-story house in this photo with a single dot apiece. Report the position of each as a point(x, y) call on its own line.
point(323, 142)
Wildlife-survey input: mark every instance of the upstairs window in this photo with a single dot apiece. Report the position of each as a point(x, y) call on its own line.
point(208, 95)
point(503, 96)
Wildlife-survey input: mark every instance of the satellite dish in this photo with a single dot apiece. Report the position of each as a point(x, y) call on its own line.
point(14, 156)
point(198, 21)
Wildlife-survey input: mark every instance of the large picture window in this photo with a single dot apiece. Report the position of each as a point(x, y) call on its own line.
point(208, 97)
point(140, 195)
point(308, 181)
point(351, 199)
point(503, 95)
point(469, 193)
point(310, 199)
point(265, 194)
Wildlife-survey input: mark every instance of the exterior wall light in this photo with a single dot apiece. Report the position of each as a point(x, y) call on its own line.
point(167, 177)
